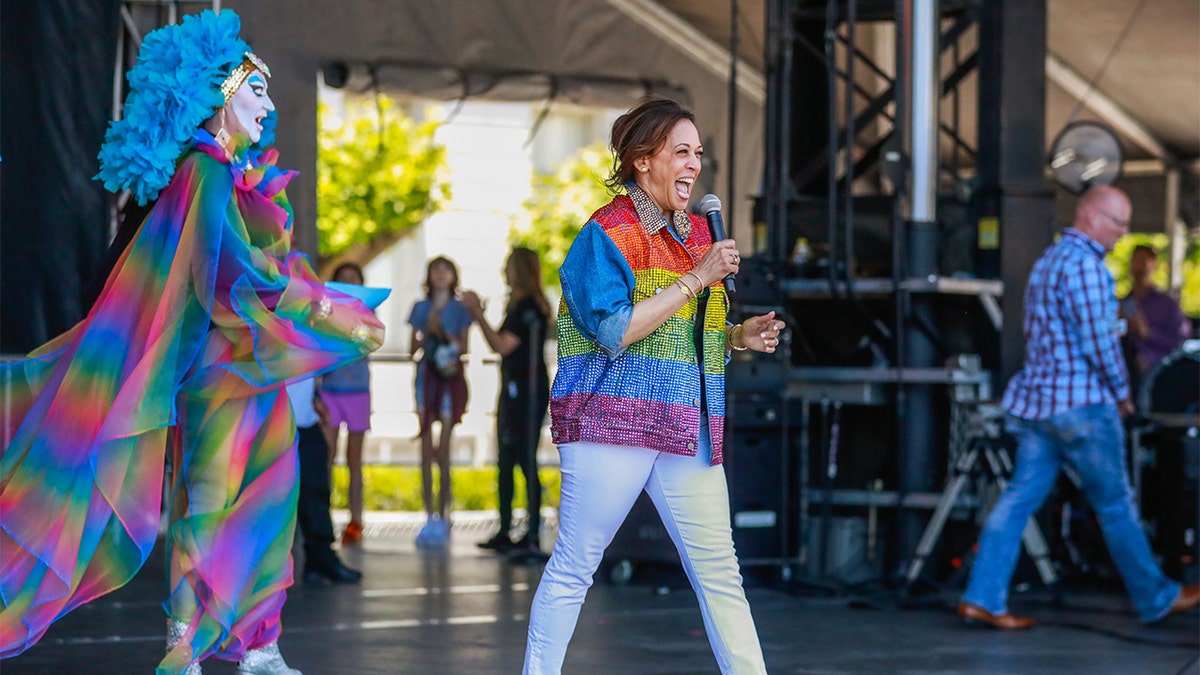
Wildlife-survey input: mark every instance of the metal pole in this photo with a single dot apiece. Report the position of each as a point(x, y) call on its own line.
point(922, 90)
point(923, 110)
point(1176, 242)
point(771, 156)
point(896, 548)
point(734, 40)
point(118, 79)
point(851, 133)
point(831, 184)
point(787, 20)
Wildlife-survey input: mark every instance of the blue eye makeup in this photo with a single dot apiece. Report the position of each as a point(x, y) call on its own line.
point(257, 84)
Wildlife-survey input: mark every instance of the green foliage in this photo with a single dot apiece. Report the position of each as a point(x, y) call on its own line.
point(377, 178)
point(560, 206)
point(398, 488)
point(1118, 264)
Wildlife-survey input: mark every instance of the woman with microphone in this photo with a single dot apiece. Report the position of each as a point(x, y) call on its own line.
point(638, 401)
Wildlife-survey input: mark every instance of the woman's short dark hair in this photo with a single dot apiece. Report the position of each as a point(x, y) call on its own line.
point(640, 132)
point(355, 267)
point(1147, 249)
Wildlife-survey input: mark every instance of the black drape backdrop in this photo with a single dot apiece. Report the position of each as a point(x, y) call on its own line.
point(56, 72)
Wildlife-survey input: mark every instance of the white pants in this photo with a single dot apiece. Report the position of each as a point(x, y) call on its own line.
point(599, 485)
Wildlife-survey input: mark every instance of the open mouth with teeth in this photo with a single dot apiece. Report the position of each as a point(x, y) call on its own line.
point(683, 188)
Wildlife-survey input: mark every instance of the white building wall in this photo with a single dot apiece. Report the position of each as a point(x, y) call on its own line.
point(490, 168)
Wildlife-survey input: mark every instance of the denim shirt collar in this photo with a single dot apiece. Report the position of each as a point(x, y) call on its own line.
point(652, 219)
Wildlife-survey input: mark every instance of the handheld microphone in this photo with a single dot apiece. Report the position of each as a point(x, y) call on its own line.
point(710, 206)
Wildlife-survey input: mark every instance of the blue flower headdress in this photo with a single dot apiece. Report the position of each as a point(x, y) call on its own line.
point(175, 85)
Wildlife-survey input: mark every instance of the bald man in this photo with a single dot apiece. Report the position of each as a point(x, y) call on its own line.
point(1065, 406)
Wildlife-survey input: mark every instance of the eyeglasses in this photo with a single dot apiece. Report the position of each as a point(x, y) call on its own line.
point(1124, 224)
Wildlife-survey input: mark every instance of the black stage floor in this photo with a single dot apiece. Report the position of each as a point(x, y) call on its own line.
point(463, 611)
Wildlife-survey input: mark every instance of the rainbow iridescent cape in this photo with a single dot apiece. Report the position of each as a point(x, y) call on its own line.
point(207, 303)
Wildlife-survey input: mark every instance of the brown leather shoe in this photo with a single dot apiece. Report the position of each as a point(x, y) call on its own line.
point(974, 614)
point(1189, 597)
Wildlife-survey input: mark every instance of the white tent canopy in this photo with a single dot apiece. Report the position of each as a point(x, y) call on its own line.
point(1133, 64)
point(591, 52)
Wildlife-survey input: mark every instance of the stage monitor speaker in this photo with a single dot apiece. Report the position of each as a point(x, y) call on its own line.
point(1171, 499)
point(641, 543)
point(762, 472)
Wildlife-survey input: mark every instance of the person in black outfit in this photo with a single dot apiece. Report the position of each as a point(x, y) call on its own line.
point(524, 392)
point(321, 564)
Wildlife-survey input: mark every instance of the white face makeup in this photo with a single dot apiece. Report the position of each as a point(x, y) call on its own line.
point(250, 105)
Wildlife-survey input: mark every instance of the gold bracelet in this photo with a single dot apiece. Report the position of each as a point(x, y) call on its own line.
point(702, 284)
point(683, 288)
point(732, 334)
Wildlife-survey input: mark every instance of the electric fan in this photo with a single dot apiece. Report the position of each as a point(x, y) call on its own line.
point(1085, 154)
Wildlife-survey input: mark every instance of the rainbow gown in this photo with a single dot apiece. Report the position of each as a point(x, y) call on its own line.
point(204, 318)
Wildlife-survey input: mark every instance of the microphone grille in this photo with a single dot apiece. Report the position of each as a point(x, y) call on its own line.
point(710, 203)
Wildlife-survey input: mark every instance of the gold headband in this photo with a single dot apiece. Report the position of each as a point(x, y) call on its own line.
point(242, 71)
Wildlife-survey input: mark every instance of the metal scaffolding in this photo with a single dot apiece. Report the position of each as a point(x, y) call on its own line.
point(139, 17)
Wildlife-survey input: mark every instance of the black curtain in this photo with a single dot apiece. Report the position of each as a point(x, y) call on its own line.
point(56, 73)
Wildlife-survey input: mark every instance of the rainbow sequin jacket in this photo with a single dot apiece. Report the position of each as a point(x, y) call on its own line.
point(648, 394)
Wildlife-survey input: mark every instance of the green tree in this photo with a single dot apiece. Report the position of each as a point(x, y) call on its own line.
point(1118, 264)
point(378, 178)
point(561, 204)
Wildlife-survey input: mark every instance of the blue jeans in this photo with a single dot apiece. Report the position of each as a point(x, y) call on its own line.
point(1092, 440)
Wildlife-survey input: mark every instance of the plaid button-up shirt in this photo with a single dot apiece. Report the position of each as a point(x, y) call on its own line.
point(1072, 334)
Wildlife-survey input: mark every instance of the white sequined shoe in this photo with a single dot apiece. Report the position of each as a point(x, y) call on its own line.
point(175, 632)
point(265, 661)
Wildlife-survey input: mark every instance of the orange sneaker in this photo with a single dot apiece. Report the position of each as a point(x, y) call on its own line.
point(353, 533)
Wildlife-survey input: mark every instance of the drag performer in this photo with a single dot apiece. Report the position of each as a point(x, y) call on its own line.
point(205, 317)
point(638, 401)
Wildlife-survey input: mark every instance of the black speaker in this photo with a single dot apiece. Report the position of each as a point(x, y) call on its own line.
point(762, 471)
point(1171, 499)
point(641, 550)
